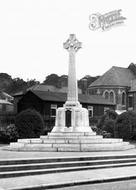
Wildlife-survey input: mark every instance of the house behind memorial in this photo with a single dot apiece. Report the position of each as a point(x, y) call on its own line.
point(46, 102)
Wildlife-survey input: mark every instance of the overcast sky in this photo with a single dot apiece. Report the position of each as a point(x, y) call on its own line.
point(32, 33)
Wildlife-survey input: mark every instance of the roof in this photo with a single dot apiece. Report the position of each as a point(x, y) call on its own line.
point(5, 102)
point(62, 97)
point(5, 96)
point(44, 88)
point(133, 86)
point(18, 94)
point(116, 76)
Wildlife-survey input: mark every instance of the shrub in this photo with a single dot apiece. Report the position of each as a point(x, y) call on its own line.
point(109, 126)
point(3, 136)
point(126, 125)
point(93, 121)
point(29, 124)
point(8, 134)
point(107, 123)
point(99, 131)
point(11, 133)
point(111, 114)
point(105, 134)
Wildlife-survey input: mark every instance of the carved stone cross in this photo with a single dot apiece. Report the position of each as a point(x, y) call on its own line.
point(72, 45)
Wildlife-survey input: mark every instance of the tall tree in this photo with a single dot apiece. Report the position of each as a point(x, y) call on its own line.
point(51, 79)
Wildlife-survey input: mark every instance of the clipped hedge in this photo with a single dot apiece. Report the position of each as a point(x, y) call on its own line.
point(29, 124)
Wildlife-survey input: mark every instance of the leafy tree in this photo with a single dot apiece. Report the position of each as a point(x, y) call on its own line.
point(32, 82)
point(14, 85)
point(17, 85)
point(51, 79)
point(5, 81)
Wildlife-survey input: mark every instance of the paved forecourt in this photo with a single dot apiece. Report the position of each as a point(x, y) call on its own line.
point(64, 179)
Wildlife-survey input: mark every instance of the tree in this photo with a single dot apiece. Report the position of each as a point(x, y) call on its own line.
point(5, 81)
point(32, 82)
point(17, 85)
point(51, 79)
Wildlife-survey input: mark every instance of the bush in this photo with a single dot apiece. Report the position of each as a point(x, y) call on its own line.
point(3, 136)
point(107, 123)
point(109, 126)
point(11, 133)
point(99, 131)
point(29, 124)
point(105, 134)
point(93, 120)
point(111, 114)
point(126, 125)
point(8, 134)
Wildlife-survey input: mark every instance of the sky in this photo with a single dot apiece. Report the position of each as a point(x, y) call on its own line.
point(32, 33)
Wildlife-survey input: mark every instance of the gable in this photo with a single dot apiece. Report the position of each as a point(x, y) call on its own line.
point(116, 76)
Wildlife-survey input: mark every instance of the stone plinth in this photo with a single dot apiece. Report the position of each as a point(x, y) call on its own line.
point(79, 120)
point(70, 142)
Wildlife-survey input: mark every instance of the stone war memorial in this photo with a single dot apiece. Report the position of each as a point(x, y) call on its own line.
point(71, 132)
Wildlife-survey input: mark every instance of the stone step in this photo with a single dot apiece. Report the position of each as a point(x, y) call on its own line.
point(72, 133)
point(63, 169)
point(95, 147)
point(80, 141)
point(65, 159)
point(71, 137)
point(82, 145)
point(70, 147)
point(30, 166)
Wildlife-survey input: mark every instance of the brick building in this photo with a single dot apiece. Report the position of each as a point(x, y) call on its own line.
point(118, 85)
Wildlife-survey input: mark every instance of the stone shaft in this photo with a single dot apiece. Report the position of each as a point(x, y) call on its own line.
point(72, 82)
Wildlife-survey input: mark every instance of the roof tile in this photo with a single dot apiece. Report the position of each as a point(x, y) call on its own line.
point(116, 76)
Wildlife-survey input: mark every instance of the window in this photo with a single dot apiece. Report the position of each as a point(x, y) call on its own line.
point(0, 107)
point(106, 109)
point(130, 101)
point(53, 110)
point(106, 95)
point(9, 108)
point(111, 97)
point(123, 98)
point(90, 111)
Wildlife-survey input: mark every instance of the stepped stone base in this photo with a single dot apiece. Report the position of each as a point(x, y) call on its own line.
point(70, 142)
